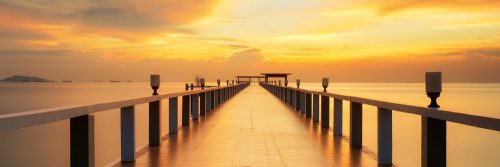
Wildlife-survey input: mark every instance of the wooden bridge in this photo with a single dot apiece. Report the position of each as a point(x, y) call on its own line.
point(242, 125)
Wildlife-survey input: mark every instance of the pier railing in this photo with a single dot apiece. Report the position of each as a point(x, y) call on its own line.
point(433, 120)
point(194, 103)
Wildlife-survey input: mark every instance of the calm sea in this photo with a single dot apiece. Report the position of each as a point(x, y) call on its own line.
point(48, 145)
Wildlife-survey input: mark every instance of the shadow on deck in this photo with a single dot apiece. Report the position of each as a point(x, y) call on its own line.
point(254, 129)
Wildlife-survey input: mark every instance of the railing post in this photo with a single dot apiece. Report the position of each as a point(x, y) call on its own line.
point(195, 106)
point(91, 141)
point(288, 92)
point(226, 92)
point(283, 94)
point(433, 142)
point(127, 121)
point(356, 128)
point(302, 102)
point(325, 111)
point(154, 123)
point(337, 117)
point(222, 95)
point(294, 99)
point(216, 98)
point(212, 100)
point(203, 104)
point(82, 141)
point(185, 110)
point(315, 108)
point(384, 130)
point(308, 105)
point(172, 115)
point(209, 101)
point(297, 101)
point(280, 93)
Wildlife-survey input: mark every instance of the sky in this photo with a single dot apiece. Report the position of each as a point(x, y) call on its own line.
point(347, 41)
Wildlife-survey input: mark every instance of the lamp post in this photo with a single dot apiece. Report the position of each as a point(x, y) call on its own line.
point(325, 84)
point(298, 83)
point(433, 87)
point(286, 82)
point(218, 82)
point(155, 83)
point(202, 82)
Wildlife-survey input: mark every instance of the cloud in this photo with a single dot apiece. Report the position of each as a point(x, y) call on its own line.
point(40, 52)
point(492, 54)
point(103, 16)
point(22, 34)
point(247, 56)
point(235, 46)
point(392, 6)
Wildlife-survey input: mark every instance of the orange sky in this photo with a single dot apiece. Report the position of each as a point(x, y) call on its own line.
point(349, 41)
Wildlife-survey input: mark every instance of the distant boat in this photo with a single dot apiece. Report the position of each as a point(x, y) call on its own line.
point(130, 81)
point(66, 81)
point(113, 81)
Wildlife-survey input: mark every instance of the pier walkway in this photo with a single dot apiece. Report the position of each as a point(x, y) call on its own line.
point(254, 128)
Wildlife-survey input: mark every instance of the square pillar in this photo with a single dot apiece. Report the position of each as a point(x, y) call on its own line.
point(203, 105)
point(356, 116)
point(433, 142)
point(194, 106)
point(209, 101)
point(82, 141)
point(315, 108)
point(308, 105)
point(384, 134)
point(172, 115)
point(185, 110)
point(325, 111)
point(127, 121)
point(154, 123)
point(337, 117)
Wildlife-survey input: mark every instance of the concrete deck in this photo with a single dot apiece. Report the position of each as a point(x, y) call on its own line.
point(254, 128)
